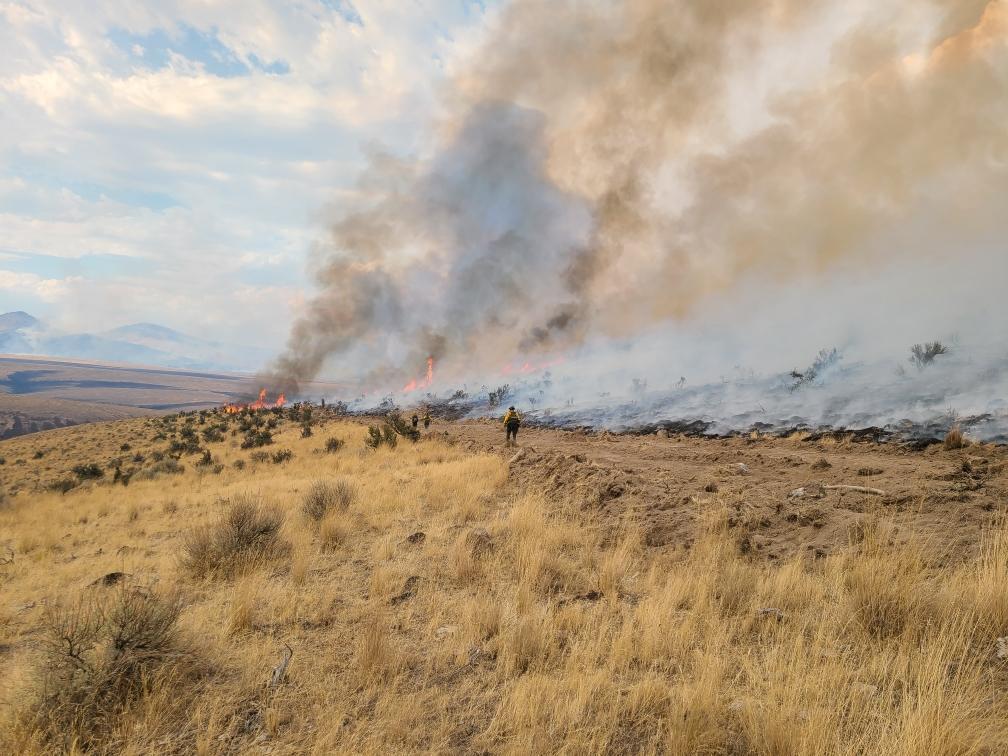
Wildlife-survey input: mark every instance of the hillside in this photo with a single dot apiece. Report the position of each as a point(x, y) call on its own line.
point(453, 596)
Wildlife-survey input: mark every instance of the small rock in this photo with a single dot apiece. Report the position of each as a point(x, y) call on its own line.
point(110, 579)
point(409, 590)
point(741, 468)
point(1002, 647)
point(445, 631)
point(479, 542)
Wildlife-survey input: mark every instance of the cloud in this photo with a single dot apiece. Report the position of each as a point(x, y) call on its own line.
point(44, 289)
point(202, 139)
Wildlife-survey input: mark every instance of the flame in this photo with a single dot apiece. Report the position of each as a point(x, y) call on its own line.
point(424, 382)
point(261, 403)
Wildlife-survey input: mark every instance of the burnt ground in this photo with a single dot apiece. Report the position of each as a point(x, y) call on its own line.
point(946, 497)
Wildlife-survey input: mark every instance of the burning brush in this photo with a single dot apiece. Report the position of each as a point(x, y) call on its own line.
point(258, 404)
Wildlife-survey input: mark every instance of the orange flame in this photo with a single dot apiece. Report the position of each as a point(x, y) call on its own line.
point(261, 403)
point(421, 383)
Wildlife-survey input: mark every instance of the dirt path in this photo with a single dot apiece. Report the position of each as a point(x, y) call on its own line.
point(949, 496)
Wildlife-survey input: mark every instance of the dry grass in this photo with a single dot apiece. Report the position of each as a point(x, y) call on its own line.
point(517, 623)
point(955, 439)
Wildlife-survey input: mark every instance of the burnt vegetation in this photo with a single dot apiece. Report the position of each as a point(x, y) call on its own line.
point(923, 355)
point(826, 359)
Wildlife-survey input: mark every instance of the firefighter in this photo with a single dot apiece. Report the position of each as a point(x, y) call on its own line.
point(415, 420)
point(511, 422)
point(426, 419)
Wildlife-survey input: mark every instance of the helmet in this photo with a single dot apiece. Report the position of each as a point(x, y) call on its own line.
point(511, 408)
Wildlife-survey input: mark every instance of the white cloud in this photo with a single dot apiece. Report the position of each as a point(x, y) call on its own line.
point(211, 180)
point(46, 289)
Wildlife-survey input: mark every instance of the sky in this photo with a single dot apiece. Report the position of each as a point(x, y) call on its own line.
point(173, 161)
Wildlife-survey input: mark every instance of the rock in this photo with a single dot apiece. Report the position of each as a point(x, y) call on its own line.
point(1002, 647)
point(808, 491)
point(741, 468)
point(479, 542)
point(445, 631)
point(110, 579)
point(409, 590)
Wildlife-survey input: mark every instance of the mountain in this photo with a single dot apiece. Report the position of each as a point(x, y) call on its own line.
point(14, 321)
point(145, 343)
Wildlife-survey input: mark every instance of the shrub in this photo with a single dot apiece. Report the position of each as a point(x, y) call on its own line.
point(247, 535)
point(324, 497)
point(38, 454)
point(955, 439)
point(167, 466)
point(100, 655)
point(138, 458)
point(923, 355)
point(188, 445)
point(206, 460)
point(333, 444)
point(281, 456)
point(401, 426)
point(257, 438)
point(239, 464)
point(259, 456)
point(89, 471)
point(125, 447)
point(213, 435)
point(306, 431)
point(61, 485)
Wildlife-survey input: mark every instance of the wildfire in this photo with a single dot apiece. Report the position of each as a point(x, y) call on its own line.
point(421, 382)
point(261, 403)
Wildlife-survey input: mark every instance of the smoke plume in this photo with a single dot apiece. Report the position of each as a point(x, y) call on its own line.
point(605, 169)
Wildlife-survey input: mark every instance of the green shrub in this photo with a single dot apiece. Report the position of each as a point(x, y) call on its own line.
point(283, 455)
point(89, 471)
point(257, 438)
point(61, 485)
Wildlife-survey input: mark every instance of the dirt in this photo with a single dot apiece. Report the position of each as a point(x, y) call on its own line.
point(945, 497)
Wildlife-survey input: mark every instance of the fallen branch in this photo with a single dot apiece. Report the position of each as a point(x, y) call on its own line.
point(857, 489)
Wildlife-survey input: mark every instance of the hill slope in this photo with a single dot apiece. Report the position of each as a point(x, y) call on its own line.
point(433, 598)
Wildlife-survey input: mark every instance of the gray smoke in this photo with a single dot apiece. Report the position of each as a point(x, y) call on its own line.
point(614, 166)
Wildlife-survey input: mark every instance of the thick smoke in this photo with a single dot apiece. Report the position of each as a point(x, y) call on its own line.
point(611, 170)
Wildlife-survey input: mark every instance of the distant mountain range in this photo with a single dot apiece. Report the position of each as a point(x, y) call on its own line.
point(145, 343)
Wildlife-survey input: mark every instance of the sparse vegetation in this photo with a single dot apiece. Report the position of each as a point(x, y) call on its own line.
point(333, 444)
point(440, 581)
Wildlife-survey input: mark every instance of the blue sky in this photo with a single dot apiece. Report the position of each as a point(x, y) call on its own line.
point(172, 162)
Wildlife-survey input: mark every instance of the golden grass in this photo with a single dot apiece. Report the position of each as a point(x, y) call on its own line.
point(515, 624)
